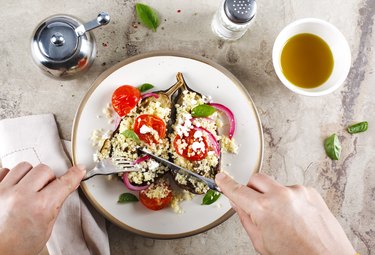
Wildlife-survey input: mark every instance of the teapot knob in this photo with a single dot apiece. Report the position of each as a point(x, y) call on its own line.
point(103, 18)
point(58, 39)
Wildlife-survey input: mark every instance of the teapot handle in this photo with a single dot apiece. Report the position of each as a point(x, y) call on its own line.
point(101, 20)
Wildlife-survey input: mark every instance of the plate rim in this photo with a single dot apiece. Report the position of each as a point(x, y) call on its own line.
point(108, 72)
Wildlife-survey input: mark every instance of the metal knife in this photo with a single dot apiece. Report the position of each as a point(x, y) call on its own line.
point(210, 182)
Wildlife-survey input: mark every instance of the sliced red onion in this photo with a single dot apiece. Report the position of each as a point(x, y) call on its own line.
point(230, 115)
point(211, 139)
point(151, 94)
point(139, 160)
point(117, 121)
point(130, 186)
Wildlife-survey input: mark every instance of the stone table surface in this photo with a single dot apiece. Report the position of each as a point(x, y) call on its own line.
point(294, 126)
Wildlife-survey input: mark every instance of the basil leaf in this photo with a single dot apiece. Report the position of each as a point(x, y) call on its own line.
point(203, 110)
point(144, 87)
point(210, 197)
point(147, 16)
point(333, 147)
point(130, 134)
point(358, 128)
point(127, 197)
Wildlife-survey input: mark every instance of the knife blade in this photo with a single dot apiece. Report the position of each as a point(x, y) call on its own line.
point(210, 182)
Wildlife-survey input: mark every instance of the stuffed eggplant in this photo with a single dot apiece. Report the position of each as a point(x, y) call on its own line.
point(144, 125)
point(194, 139)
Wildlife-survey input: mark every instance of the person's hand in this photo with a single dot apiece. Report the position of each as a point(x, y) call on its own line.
point(285, 220)
point(30, 200)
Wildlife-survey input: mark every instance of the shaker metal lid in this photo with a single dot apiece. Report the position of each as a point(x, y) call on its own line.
point(240, 11)
point(56, 38)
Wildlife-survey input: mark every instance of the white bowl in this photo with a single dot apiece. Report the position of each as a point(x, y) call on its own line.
point(336, 42)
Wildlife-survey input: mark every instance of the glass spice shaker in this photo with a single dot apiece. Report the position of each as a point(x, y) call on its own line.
point(233, 18)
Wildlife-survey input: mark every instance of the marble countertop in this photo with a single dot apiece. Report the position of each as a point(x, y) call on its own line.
point(294, 126)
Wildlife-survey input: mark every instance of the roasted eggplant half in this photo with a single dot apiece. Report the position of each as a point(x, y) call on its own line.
point(146, 125)
point(194, 140)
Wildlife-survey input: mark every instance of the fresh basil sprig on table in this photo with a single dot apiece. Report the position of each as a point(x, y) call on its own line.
point(146, 86)
point(127, 197)
point(210, 197)
point(130, 134)
point(147, 16)
point(358, 127)
point(333, 147)
point(203, 110)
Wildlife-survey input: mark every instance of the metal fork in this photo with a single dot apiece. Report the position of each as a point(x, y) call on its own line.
point(111, 166)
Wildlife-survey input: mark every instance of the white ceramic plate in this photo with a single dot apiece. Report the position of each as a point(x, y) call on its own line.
point(160, 69)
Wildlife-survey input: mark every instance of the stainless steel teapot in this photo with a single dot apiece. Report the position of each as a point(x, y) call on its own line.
point(62, 45)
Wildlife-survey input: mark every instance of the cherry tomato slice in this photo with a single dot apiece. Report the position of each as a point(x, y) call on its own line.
point(155, 203)
point(151, 121)
point(124, 99)
point(188, 152)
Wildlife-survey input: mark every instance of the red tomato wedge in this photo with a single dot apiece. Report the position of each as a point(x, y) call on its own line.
point(124, 99)
point(150, 121)
point(155, 203)
point(187, 151)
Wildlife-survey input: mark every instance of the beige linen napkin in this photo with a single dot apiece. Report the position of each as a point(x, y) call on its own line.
point(79, 229)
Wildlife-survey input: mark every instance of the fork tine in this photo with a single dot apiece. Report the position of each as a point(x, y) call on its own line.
point(124, 163)
point(120, 160)
point(125, 167)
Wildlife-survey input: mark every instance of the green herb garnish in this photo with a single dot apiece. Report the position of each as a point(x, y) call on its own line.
point(358, 128)
point(127, 197)
point(144, 87)
point(203, 110)
point(147, 16)
point(333, 147)
point(210, 197)
point(130, 134)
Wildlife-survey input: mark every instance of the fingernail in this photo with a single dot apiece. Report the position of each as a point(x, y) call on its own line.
point(81, 167)
point(220, 177)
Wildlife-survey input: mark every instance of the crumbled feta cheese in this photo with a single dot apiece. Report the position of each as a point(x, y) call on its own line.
point(198, 146)
point(198, 134)
point(145, 129)
point(152, 165)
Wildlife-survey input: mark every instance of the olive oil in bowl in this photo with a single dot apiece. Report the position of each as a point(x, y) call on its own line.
point(306, 60)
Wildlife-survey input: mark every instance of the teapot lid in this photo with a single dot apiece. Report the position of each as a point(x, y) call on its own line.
point(56, 38)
